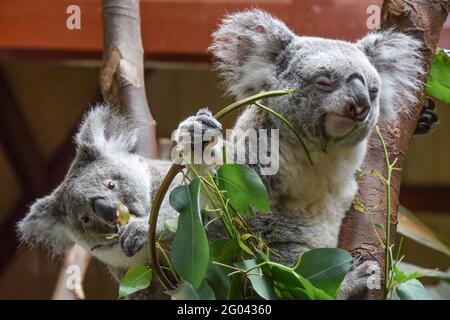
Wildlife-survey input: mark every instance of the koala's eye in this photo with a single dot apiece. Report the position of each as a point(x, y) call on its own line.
point(111, 185)
point(323, 83)
point(373, 92)
point(85, 220)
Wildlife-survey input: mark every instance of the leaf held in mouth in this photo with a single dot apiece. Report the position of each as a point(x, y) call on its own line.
point(122, 212)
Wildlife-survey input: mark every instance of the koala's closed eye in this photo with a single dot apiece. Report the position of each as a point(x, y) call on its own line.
point(323, 83)
point(373, 92)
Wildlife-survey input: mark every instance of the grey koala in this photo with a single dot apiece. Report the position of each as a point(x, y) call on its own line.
point(342, 90)
point(82, 208)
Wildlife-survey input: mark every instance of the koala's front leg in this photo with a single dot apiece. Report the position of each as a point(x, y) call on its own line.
point(133, 236)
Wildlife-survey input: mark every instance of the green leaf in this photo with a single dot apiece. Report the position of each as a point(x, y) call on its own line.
point(411, 227)
point(134, 280)
point(325, 268)
point(221, 250)
point(186, 291)
point(235, 290)
point(412, 290)
point(224, 250)
point(190, 249)
point(205, 292)
point(244, 188)
point(262, 285)
point(419, 272)
point(438, 84)
point(218, 280)
point(286, 278)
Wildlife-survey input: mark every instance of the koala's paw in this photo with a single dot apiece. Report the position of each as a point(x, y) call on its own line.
point(361, 277)
point(133, 237)
point(195, 127)
point(427, 118)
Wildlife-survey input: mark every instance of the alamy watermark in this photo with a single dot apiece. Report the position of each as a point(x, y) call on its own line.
point(251, 147)
point(73, 21)
point(373, 21)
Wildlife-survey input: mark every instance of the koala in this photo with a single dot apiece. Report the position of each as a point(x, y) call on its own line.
point(82, 208)
point(342, 89)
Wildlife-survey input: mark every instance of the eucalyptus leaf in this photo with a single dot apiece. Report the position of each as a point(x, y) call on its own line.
point(186, 291)
point(244, 188)
point(223, 251)
point(190, 250)
point(420, 272)
point(262, 284)
point(235, 289)
point(286, 278)
point(218, 280)
point(412, 290)
point(134, 280)
point(325, 268)
point(438, 84)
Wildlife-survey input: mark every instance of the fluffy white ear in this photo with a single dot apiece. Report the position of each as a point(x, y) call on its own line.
point(43, 225)
point(104, 131)
point(246, 47)
point(398, 59)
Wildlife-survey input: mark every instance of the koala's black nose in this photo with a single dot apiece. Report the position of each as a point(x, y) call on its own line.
point(104, 208)
point(358, 112)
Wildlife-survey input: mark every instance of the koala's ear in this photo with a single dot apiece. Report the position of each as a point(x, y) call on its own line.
point(104, 131)
point(397, 58)
point(246, 47)
point(43, 225)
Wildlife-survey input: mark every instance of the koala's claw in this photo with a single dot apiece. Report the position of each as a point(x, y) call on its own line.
point(427, 118)
point(133, 237)
point(197, 125)
point(357, 279)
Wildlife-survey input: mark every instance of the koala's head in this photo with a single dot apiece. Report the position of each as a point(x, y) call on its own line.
point(82, 208)
point(341, 87)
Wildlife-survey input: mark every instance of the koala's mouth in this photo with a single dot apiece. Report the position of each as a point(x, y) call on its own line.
point(338, 126)
point(343, 130)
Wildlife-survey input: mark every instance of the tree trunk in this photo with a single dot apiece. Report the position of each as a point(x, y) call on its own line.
point(122, 85)
point(423, 20)
point(122, 72)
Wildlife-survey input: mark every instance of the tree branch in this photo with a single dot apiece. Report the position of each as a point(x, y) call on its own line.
point(122, 72)
point(423, 20)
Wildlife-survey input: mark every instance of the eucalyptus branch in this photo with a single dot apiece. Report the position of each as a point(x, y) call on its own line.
point(388, 247)
point(177, 168)
point(153, 220)
point(290, 126)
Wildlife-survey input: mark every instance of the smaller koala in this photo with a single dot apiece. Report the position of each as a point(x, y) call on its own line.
point(82, 208)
